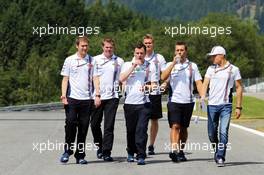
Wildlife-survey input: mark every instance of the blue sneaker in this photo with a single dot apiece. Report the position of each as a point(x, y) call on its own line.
point(81, 161)
point(130, 158)
point(64, 158)
point(141, 161)
point(220, 162)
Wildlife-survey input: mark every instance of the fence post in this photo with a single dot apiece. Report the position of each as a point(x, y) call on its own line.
point(256, 84)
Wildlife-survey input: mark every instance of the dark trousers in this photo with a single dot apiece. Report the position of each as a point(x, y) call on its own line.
point(78, 114)
point(137, 117)
point(107, 108)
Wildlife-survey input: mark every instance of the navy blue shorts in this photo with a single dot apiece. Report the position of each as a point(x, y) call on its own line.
point(179, 113)
point(156, 107)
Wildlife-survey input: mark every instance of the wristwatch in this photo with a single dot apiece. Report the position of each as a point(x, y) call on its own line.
point(239, 108)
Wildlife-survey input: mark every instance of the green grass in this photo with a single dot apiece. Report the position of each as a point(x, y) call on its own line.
point(253, 108)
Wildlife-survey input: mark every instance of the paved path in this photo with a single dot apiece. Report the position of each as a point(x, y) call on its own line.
point(21, 131)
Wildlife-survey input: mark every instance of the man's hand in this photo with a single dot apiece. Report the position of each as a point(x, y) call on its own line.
point(176, 59)
point(97, 101)
point(238, 113)
point(64, 100)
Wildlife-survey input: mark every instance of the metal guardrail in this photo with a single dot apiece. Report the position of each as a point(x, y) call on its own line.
point(34, 107)
point(49, 106)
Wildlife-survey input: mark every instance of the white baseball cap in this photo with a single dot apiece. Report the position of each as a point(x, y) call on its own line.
point(217, 50)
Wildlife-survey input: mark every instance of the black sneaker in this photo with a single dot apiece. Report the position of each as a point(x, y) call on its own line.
point(174, 156)
point(151, 150)
point(99, 154)
point(108, 159)
point(220, 162)
point(181, 156)
point(81, 161)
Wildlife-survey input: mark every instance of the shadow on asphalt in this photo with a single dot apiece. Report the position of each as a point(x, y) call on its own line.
point(242, 163)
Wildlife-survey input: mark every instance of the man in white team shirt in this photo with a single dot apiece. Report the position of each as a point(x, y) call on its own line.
point(155, 96)
point(221, 78)
point(137, 75)
point(182, 73)
point(106, 82)
point(77, 91)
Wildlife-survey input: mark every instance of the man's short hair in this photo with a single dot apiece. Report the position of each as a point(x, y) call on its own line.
point(108, 40)
point(140, 45)
point(181, 43)
point(81, 38)
point(148, 36)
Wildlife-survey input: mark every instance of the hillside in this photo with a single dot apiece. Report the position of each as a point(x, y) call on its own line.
point(190, 10)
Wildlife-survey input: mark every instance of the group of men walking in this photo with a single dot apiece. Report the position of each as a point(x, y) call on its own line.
point(91, 89)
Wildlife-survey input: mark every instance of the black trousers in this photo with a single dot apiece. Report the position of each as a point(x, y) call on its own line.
point(107, 108)
point(78, 114)
point(137, 117)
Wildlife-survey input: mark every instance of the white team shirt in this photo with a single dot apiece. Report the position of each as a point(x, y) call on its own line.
point(160, 65)
point(108, 71)
point(180, 81)
point(136, 80)
point(80, 73)
point(221, 82)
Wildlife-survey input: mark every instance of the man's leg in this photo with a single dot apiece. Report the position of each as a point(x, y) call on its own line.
point(174, 118)
point(175, 137)
point(212, 125)
point(141, 136)
point(156, 113)
point(70, 132)
point(225, 117)
point(96, 120)
point(186, 118)
point(154, 127)
point(131, 116)
point(109, 123)
point(84, 113)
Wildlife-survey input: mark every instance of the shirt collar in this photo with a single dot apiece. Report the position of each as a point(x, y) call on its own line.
point(104, 57)
point(79, 58)
point(150, 57)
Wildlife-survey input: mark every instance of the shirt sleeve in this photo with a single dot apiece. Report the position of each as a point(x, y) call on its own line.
point(65, 71)
point(208, 73)
point(162, 63)
point(152, 77)
point(197, 75)
point(125, 66)
point(237, 75)
point(98, 70)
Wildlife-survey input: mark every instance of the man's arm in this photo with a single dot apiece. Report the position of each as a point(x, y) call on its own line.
point(124, 76)
point(64, 86)
point(166, 73)
point(204, 88)
point(97, 100)
point(239, 93)
point(199, 86)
